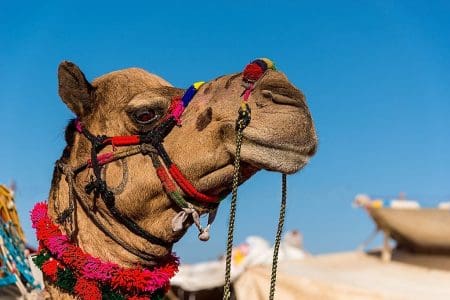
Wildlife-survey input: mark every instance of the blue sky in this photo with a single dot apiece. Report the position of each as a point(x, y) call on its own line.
point(376, 75)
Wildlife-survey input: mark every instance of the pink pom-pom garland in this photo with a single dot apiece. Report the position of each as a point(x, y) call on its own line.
point(90, 272)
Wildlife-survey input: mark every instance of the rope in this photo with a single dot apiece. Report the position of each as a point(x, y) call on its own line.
point(276, 247)
point(237, 161)
point(242, 122)
point(75, 195)
point(252, 73)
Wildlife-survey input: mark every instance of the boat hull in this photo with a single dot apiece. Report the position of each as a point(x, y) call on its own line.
point(423, 230)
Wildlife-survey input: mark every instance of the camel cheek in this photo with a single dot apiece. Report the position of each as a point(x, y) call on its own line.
point(204, 119)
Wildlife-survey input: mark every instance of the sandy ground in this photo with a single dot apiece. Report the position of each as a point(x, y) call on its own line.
point(352, 275)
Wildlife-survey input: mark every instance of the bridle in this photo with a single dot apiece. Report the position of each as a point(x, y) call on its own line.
point(148, 144)
point(151, 144)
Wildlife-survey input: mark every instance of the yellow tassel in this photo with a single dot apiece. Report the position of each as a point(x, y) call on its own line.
point(270, 64)
point(198, 84)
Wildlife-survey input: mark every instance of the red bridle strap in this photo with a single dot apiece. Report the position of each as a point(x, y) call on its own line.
point(126, 140)
point(188, 188)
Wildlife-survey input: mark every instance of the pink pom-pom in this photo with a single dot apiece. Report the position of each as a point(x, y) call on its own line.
point(39, 212)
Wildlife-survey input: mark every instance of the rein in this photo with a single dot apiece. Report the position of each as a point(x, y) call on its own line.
point(252, 73)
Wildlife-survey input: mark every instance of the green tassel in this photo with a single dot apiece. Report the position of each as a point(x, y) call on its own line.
point(65, 280)
point(158, 295)
point(108, 294)
point(41, 258)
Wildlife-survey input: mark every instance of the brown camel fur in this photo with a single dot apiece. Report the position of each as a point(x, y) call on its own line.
point(280, 137)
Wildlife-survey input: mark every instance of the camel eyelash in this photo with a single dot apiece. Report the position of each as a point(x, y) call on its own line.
point(144, 115)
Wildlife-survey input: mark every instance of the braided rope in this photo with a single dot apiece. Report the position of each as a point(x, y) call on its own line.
point(237, 162)
point(273, 277)
point(276, 247)
point(116, 156)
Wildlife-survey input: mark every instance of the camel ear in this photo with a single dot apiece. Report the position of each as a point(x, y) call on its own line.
point(74, 89)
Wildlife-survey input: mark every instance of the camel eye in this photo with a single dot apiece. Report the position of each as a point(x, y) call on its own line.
point(145, 116)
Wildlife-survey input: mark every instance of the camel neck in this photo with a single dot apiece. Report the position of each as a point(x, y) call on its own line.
point(94, 230)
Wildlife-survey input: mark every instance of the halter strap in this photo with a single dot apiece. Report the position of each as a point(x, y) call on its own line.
point(150, 143)
point(155, 138)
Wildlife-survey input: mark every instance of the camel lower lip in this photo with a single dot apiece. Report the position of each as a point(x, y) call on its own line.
point(218, 182)
point(287, 159)
point(281, 147)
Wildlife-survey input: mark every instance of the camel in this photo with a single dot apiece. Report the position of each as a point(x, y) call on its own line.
point(280, 137)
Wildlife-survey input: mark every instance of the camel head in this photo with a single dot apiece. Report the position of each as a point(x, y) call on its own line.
point(280, 137)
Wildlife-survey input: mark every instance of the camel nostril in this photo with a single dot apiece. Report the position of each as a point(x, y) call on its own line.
point(266, 93)
point(284, 96)
point(312, 150)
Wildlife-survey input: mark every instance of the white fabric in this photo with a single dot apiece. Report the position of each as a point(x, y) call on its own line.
point(404, 204)
point(255, 251)
point(444, 205)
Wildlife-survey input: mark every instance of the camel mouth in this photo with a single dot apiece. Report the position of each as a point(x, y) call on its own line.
point(304, 152)
point(264, 154)
point(277, 159)
point(219, 181)
point(262, 150)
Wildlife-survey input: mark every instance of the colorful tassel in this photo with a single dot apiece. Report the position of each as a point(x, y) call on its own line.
point(50, 268)
point(41, 258)
point(66, 280)
point(256, 69)
point(87, 290)
point(77, 272)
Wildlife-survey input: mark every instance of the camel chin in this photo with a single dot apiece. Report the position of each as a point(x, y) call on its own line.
point(253, 159)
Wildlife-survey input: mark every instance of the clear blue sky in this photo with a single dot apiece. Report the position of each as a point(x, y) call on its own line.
point(376, 75)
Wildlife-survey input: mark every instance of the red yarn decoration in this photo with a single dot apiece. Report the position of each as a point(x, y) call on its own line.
point(50, 268)
point(253, 72)
point(87, 290)
point(89, 270)
point(188, 188)
point(164, 177)
point(127, 279)
point(137, 298)
point(49, 231)
point(123, 140)
point(74, 256)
